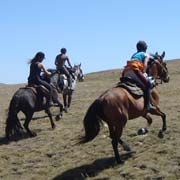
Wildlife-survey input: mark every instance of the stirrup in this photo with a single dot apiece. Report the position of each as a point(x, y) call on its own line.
point(49, 104)
point(150, 107)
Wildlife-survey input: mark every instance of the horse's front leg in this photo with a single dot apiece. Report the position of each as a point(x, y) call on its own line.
point(56, 100)
point(69, 100)
point(60, 114)
point(158, 112)
point(50, 117)
point(65, 102)
point(149, 120)
point(145, 130)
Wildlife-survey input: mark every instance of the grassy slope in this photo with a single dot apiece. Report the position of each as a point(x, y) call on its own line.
point(54, 153)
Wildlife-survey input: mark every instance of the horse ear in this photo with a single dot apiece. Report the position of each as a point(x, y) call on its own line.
point(156, 54)
point(163, 54)
point(80, 65)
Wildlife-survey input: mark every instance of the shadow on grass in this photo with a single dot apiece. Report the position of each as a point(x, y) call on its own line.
point(4, 140)
point(90, 170)
point(17, 137)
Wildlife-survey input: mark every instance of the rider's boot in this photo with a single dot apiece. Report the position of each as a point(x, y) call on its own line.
point(148, 105)
point(49, 101)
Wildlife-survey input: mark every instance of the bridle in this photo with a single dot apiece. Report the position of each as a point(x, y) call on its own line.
point(158, 69)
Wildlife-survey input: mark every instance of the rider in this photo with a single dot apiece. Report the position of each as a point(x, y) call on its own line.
point(136, 69)
point(60, 65)
point(36, 67)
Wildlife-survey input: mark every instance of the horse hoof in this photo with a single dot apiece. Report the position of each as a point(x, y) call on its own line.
point(53, 126)
point(58, 117)
point(33, 134)
point(120, 161)
point(160, 134)
point(164, 128)
point(127, 148)
point(142, 131)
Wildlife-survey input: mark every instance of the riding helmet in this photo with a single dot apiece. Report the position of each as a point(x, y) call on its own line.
point(141, 46)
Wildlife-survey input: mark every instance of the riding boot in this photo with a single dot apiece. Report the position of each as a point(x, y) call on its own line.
point(49, 101)
point(148, 104)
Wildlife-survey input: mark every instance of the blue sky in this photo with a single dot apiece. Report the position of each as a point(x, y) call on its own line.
point(101, 34)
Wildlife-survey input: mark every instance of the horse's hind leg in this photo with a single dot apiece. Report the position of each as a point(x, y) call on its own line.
point(26, 124)
point(50, 117)
point(124, 145)
point(115, 136)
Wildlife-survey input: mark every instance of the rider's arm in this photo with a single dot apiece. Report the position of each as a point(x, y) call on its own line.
point(146, 61)
point(68, 61)
point(56, 61)
point(41, 66)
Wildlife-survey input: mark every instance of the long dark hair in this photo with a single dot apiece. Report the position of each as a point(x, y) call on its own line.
point(37, 58)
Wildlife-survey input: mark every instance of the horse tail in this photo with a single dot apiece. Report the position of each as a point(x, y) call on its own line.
point(92, 121)
point(12, 122)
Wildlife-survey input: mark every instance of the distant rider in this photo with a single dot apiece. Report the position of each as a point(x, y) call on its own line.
point(60, 65)
point(36, 67)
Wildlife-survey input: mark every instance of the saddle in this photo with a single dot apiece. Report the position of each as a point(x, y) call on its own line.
point(132, 86)
point(37, 88)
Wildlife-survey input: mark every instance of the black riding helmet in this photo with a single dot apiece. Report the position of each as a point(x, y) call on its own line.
point(141, 46)
point(63, 50)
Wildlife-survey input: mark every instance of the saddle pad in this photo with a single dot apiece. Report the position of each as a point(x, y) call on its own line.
point(131, 88)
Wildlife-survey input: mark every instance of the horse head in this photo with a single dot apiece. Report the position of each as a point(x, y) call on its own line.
point(78, 73)
point(158, 67)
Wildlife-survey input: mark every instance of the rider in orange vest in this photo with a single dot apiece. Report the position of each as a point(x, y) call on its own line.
point(136, 69)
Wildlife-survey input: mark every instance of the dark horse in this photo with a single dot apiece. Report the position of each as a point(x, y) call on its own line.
point(29, 100)
point(60, 81)
point(116, 106)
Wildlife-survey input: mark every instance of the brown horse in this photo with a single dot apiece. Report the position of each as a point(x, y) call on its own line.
point(116, 106)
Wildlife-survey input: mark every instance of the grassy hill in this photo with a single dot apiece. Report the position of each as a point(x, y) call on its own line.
point(55, 154)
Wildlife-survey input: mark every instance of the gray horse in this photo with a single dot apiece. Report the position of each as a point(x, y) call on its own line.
point(60, 81)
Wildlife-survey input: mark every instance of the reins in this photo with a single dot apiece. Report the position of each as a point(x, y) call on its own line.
point(159, 75)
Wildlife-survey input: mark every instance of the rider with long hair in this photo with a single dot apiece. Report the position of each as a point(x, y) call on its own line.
point(60, 65)
point(136, 69)
point(36, 67)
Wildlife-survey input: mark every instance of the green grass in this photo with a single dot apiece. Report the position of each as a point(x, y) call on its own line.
point(55, 153)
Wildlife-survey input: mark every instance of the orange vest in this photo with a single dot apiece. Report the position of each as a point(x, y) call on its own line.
point(134, 65)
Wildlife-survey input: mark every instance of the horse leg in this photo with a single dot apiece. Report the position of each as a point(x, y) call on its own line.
point(116, 152)
point(149, 120)
point(65, 102)
point(56, 100)
point(158, 112)
point(115, 140)
point(60, 114)
point(26, 124)
point(124, 145)
point(69, 100)
point(50, 117)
